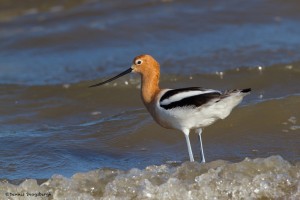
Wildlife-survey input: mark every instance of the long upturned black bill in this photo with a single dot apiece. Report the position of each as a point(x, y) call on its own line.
point(113, 78)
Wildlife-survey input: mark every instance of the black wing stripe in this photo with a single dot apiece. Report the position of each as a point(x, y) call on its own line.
point(170, 93)
point(194, 101)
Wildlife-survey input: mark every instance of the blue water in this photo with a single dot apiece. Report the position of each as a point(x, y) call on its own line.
point(98, 39)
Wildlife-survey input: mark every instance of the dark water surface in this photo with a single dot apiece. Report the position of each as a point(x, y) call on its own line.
point(52, 123)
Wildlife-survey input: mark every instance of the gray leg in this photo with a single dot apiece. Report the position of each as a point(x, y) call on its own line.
point(186, 134)
point(201, 146)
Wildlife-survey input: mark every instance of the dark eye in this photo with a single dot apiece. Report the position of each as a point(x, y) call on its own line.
point(138, 62)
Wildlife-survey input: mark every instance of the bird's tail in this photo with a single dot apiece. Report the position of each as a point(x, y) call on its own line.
point(247, 90)
point(239, 92)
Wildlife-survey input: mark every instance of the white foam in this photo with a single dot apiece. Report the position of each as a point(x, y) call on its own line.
point(261, 178)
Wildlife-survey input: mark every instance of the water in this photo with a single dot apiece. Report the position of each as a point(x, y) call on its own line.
point(269, 178)
point(60, 137)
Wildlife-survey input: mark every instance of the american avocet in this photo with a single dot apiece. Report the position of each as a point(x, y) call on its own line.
point(182, 109)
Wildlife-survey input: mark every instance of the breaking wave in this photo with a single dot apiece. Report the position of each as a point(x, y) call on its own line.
point(260, 178)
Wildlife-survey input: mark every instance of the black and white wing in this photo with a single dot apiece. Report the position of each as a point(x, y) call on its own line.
point(188, 97)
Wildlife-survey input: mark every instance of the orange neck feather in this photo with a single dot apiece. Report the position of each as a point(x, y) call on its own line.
point(150, 87)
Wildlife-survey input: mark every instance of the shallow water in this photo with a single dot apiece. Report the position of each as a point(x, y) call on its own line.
point(268, 178)
point(52, 123)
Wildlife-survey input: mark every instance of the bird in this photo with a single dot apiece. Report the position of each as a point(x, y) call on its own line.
point(184, 109)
